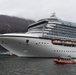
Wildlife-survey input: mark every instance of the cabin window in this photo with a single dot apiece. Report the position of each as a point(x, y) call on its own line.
point(44, 43)
point(39, 42)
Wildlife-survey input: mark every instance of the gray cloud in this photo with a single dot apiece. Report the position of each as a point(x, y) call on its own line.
point(37, 9)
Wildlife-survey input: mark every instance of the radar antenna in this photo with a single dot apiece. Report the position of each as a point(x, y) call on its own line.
point(53, 14)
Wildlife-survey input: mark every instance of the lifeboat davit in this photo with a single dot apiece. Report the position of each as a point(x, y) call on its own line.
point(64, 61)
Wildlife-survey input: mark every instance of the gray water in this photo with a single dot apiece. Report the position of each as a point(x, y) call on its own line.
point(34, 66)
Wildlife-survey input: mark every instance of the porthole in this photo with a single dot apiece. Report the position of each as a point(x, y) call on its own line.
point(44, 43)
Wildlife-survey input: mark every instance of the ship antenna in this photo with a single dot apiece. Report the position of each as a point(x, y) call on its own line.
point(53, 14)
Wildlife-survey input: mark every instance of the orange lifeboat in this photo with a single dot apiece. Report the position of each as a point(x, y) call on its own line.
point(68, 61)
point(74, 43)
point(67, 42)
point(56, 41)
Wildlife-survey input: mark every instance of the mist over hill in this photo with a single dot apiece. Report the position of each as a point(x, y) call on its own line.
point(10, 24)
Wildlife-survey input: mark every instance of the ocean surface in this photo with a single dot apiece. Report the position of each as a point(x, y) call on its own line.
point(34, 66)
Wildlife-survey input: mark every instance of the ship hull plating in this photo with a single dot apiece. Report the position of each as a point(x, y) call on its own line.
point(35, 47)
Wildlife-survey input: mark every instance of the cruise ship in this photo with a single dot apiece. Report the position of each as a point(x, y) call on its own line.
point(49, 37)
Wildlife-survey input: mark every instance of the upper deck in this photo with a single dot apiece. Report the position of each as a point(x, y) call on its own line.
point(54, 28)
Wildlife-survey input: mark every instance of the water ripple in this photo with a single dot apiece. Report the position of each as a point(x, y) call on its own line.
point(34, 66)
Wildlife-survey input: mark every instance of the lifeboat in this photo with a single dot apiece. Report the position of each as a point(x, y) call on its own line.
point(66, 61)
point(74, 43)
point(56, 41)
point(67, 42)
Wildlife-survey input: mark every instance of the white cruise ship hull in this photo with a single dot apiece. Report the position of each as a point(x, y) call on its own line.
point(36, 47)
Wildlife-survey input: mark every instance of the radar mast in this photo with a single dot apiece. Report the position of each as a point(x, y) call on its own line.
point(53, 15)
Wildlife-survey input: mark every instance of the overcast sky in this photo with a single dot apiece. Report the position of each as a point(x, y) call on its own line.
point(38, 9)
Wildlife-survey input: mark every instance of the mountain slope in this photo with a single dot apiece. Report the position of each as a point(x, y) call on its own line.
point(13, 24)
